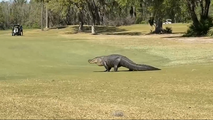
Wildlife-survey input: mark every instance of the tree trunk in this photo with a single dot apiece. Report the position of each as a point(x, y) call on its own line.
point(81, 21)
point(205, 9)
point(191, 6)
point(158, 26)
point(143, 11)
point(47, 20)
point(68, 16)
point(97, 14)
point(93, 13)
point(42, 9)
point(93, 29)
point(81, 27)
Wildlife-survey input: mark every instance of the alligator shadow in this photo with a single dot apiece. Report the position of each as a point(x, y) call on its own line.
point(117, 71)
point(128, 71)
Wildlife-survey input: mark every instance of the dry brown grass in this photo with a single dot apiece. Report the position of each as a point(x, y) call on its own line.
point(148, 95)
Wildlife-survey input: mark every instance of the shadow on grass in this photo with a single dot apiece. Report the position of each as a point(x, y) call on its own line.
point(170, 35)
point(175, 33)
point(111, 30)
point(58, 27)
point(181, 36)
point(113, 71)
point(127, 71)
point(107, 30)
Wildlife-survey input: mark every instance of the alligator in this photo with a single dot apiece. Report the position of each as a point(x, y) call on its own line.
point(116, 61)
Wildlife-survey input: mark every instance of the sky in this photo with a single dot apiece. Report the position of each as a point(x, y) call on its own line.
point(9, 0)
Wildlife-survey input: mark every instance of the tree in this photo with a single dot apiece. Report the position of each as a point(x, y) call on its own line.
point(42, 12)
point(201, 25)
point(71, 10)
point(1, 18)
point(153, 9)
point(174, 9)
point(80, 5)
point(47, 18)
point(158, 14)
point(93, 9)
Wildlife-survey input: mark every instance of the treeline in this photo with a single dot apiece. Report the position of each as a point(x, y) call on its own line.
point(72, 12)
point(19, 12)
point(53, 13)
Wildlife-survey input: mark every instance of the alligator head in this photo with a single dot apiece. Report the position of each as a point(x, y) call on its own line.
point(96, 60)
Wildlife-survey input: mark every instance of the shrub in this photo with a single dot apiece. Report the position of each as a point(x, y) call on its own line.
point(138, 20)
point(143, 22)
point(210, 32)
point(167, 30)
point(2, 26)
point(201, 29)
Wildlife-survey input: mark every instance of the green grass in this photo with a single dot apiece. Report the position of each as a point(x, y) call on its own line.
point(46, 75)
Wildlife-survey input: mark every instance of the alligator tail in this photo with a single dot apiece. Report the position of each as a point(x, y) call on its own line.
point(137, 67)
point(145, 67)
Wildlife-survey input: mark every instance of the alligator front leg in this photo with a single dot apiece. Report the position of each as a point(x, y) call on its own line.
point(107, 70)
point(106, 67)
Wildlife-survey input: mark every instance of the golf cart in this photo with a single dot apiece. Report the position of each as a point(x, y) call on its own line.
point(17, 30)
point(168, 21)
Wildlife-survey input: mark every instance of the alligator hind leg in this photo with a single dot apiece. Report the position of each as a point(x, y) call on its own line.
point(130, 70)
point(115, 68)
